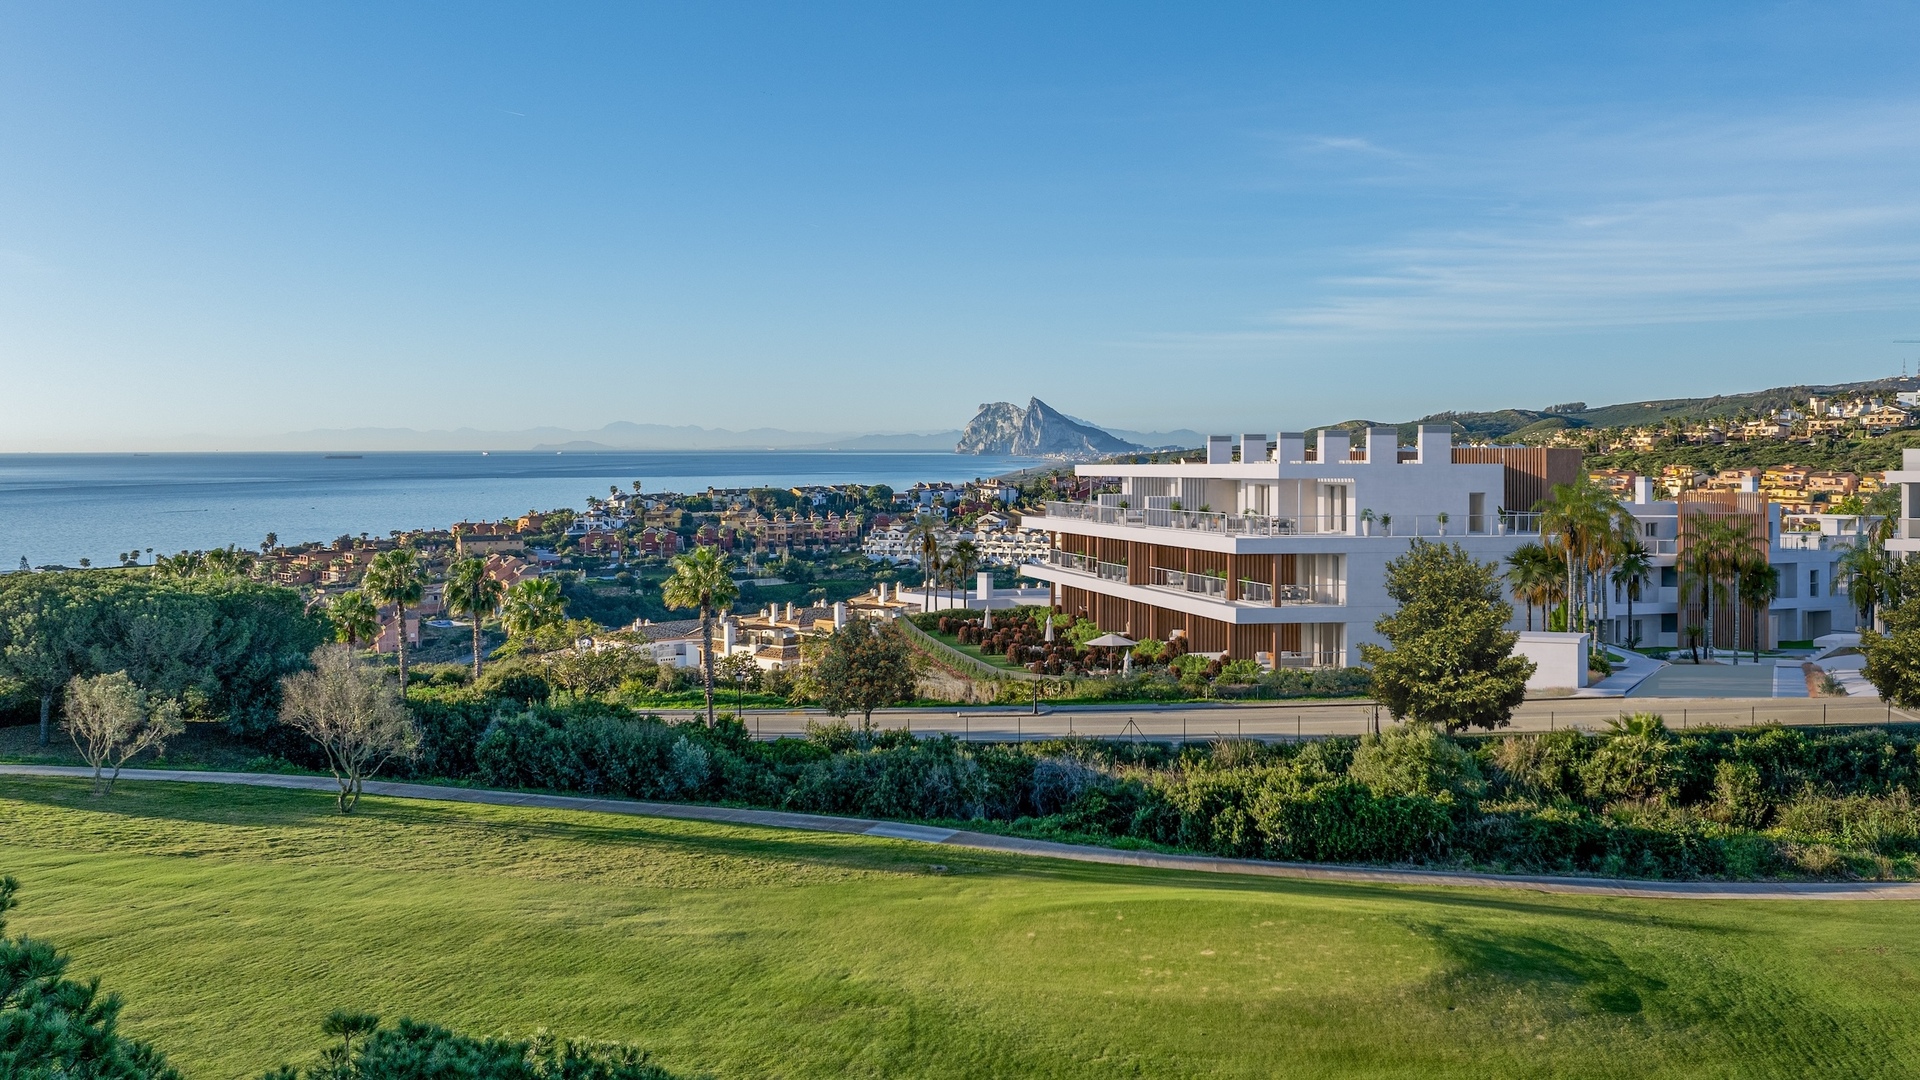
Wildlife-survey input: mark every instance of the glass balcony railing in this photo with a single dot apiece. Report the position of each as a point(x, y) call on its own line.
point(1383, 525)
point(1181, 581)
point(1322, 659)
point(1086, 564)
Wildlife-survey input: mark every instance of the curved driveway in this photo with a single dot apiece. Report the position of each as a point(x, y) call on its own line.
point(778, 819)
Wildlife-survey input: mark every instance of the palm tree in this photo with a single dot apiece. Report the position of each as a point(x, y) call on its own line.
point(1580, 520)
point(1631, 565)
point(1756, 584)
point(926, 533)
point(532, 605)
point(1868, 574)
point(354, 617)
point(473, 591)
point(394, 577)
point(271, 541)
point(964, 561)
point(702, 579)
point(1712, 546)
point(1529, 567)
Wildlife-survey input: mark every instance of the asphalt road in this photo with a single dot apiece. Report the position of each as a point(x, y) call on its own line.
point(1287, 721)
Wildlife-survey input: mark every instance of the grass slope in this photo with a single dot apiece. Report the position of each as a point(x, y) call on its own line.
point(232, 919)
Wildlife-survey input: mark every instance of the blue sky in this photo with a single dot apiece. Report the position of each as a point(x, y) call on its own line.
point(224, 221)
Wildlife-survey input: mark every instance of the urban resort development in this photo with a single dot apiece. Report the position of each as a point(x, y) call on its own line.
point(1276, 550)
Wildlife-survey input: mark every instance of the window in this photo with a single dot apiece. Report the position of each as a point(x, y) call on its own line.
point(1669, 577)
point(1813, 583)
point(1653, 528)
point(1670, 623)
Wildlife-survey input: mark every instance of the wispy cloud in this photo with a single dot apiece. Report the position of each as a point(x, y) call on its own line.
point(1686, 220)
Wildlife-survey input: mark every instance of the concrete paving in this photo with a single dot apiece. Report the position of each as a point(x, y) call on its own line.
point(1696, 890)
point(1721, 680)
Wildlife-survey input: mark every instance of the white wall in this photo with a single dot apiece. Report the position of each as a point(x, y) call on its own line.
point(1560, 659)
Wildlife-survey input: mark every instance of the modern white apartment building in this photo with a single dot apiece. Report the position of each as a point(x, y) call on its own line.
point(1278, 550)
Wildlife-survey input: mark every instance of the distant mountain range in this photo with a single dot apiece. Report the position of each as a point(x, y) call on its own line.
point(625, 435)
point(616, 436)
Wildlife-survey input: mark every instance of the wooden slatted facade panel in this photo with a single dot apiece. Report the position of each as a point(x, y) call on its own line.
point(1531, 470)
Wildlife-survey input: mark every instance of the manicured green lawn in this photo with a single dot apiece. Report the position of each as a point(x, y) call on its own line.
point(998, 660)
point(233, 919)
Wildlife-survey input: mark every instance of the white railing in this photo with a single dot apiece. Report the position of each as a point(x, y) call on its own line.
point(1807, 541)
point(1384, 525)
point(1258, 592)
point(1181, 581)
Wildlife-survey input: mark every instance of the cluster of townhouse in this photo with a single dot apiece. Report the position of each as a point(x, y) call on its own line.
point(999, 540)
point(1798, 490)
point(1819, 418)
point(1276, 550)
point(770, 637)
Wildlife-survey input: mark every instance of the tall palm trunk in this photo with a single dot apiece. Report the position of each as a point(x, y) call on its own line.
point(1736, 628)
point(1706, 618)
point(400, 640)
point(706, 633)
point(476, 646)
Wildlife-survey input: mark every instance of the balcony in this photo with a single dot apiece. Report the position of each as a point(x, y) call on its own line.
point(1386, 525)
point(1214, 588)
point(1811, 541)
point(1085, 564)
point(1333, 592)
point(1258, 592)
point(1323, 659)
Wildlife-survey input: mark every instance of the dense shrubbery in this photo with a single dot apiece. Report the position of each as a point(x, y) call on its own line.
point(416, 1051)
point(1639, 800)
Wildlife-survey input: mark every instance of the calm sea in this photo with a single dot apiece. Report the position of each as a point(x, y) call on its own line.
point(60, 508)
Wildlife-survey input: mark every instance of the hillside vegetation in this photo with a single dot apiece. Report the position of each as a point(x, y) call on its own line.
point(1505, 424)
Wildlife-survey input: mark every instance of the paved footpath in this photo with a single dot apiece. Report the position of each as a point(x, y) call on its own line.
point(1701, 890)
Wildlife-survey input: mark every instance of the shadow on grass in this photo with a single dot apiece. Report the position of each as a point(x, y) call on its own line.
point(1586, 972)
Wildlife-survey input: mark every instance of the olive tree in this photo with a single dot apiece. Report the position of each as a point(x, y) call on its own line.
point(111, 720)
point(1449, 659)
point(865, 666)
point(355, 715)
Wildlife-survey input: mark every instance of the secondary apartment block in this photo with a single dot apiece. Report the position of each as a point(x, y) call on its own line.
point(1811, 600)
point(1906, 538)
point(1277, 551)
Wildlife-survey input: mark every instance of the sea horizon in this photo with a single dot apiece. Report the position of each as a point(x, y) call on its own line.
point(59, 507)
